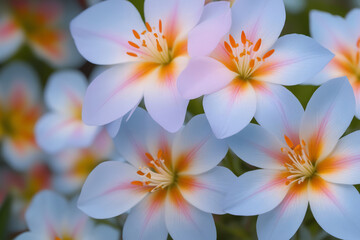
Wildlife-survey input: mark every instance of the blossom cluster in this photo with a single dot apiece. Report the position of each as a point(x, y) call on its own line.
point(122, 141)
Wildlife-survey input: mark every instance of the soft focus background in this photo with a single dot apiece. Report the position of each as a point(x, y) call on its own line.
point(39, 50)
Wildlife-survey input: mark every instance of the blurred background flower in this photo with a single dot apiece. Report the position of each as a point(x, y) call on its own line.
point(35, 43)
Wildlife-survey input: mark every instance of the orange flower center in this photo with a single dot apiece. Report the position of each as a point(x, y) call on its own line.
point(157, 175)
point(246, 55)
point(299, 166)
point(151, 45)
point(65, 237)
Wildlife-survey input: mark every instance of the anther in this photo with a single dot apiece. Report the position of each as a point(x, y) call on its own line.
point(233, 42)
point(136, 34)
point(257, 45)
point(131, 54)
point(148, 27)
point(133, 44)
point(268, 54)
point(243, 37)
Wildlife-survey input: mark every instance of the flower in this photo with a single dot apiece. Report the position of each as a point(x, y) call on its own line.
point(248, 58)
point(302, 160)
point(72, 166)
point(20, 108)
point(172, 184)
point(63, 127)
point(148, 58)
point(50, 216)
point(342, 37)
point(43, 25)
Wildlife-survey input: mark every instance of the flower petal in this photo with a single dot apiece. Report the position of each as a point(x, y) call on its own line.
point(203, 75)
point(207, 191)
point(102, 32)
point(330, 31)
point(141, 135)
point(162, 99)
point(258, 147)
point(283, 221)
point(146, 221)
point(258, 19)
point(336, 208)
point(230, 109)
point(296, 59)
point(105, 232)
point(352, 19)
point(46, 210)
point(187, 222)
point(11, 37)
point(278, 111)
point(29, 236)
point(178, 16)
point(122, 87)
point(256, 192)
point(113, 127)
point(195, 149)
point(65, 91)
point(106, 197)
point(215, 22)
point(343, 165)
point(327, 116)
point(55, 132)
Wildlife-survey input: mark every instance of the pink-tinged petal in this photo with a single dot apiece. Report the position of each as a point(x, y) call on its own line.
point(141, 135)
point(184, 221)
point(327, 116)
point(336, 208)
point(195, 149)
point(297, 58)
point(103, 145)
point(106, 197)
point(215, 22)
point(45, 213)
point(203, 75)
point(283, 221)
point(278, 111)
point(207, 191)
point(352, 19)
point(330, 31)
point(162, 98)
point(113, 127)
point(178, 16)
point(102, 32)
point(258, 147)
point(256, 192)
point(230, 109)
point(55, 132)
point(19, 85)
point(11, 37)
point(20, 154)
point(146, 221)
point(122, 88)
point(258, 19)
point(65, 91)
point(329, 71)
point(343, 165)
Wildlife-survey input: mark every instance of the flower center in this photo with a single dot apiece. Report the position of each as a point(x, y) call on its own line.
point(246, 55)
point(299, 166)
point(157, 175)
point(150, 45)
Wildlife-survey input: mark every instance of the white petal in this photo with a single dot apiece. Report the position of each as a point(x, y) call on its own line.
point(65, 91)
point(296, 59)
point(178, 16)
point(256, 192)
point(336, 208)
point(113, 127)
point(187, 222)
point(343, 165)
point(105, 232)
point(327, 116)
point(141, 135)
point(258, 19)
point(108, 192)
point(279, 111)
point(215, 22)
point(195, 148)
point(30, 236)
point(146, 221)
point(102, 32)
point(230, 109)
point(258, 147)
point(283, 221)
point(207, 191)
point(352, 20)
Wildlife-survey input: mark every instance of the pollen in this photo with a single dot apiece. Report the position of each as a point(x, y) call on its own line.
point(246, 55)
point(156, 175)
